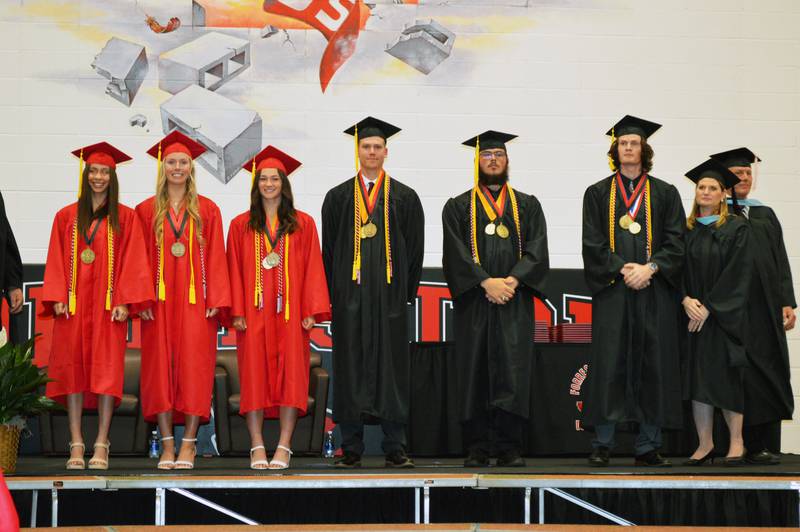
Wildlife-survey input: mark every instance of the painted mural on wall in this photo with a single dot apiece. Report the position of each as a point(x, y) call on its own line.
point(176, 54)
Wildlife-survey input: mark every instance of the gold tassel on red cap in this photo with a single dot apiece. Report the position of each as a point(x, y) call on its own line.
point(80, 173)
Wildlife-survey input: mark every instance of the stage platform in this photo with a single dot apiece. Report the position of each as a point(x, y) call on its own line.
point(313, 491)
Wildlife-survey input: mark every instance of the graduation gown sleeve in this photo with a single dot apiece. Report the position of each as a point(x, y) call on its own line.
point(56, 272)
point(133, 287)
point(785, 271)
point(669, 254)
point(218, 283)
point(314, 296)
point(414, 233)
point(460, 271)
point(727, 300)
point(601, 266)
point(12, 267)
point(237, 282)
point(330, 230)
point(532, 269)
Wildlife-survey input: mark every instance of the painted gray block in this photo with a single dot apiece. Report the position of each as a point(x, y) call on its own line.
point(125, 65)
point(209, 61)
point(423, 45)
point(230, 131)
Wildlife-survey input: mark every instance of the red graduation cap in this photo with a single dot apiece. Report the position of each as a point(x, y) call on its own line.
point(101, 153)
point(272, 157)
point(176, 142)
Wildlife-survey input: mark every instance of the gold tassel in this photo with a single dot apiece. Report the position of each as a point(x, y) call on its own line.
point(158, 167)
point(356, 137)
point(253, 173)
point(610, 158)
point(80, 174)
point(192, 293)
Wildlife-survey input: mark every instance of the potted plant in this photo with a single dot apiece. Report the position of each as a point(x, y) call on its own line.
point(20, 381)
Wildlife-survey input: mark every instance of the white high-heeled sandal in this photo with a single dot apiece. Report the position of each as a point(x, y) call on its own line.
point(166, 464)
point(258, 463)
point(76, 463)
point(99, 463)
point(185, 464)
point(280, 464)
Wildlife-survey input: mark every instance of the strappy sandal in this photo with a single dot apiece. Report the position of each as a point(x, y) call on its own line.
point(166, 464)
point(258, 463)
point(278, 463)
point(99, 463)
point(185, 464)
point(76, 463)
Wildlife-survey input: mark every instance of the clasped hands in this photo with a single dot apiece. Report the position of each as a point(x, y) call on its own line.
point(500, 290)
point(636, 276)
point(697, 313)
point(240, 324)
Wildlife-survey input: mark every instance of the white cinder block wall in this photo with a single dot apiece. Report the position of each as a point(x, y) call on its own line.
point(717, 73)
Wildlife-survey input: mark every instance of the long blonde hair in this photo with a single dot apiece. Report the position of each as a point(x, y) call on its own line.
point(162, 204)
point(691, 221)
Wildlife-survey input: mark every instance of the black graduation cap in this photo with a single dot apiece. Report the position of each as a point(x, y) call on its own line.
point(372, 127)
point(715, 170)
point(490, 140)
point(736, 157)
point(631, 125)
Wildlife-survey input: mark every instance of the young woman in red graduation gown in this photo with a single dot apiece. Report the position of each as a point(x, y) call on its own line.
point(179, 335)
point(96, 275)
point(278, 293)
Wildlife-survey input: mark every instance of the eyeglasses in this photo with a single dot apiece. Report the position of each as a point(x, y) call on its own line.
point(486, 155)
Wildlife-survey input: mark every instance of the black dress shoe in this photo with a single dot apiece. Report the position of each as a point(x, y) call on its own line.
point(348, 460)
point(510, 459)
point(599, 457)
point(695, 462)
point(477, 459)
point(652, 459)
point(399, 459)
point(763, 457)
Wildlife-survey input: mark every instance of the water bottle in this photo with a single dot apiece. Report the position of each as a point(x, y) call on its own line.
point(153, 445)
point(328, 447)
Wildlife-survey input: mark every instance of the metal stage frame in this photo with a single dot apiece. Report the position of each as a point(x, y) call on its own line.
point(420, 483)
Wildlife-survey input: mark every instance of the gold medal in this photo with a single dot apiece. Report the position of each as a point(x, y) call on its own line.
point(625, 222)
point(271, 260)
point(634, 228)
point(502, 231)
point(369, 230)
point(490, 228)
point(87, 256)
point(178, 249)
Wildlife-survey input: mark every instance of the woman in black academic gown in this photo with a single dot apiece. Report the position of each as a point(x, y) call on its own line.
point(715, 294)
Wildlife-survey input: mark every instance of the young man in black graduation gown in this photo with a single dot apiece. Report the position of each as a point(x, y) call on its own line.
point(371, 285)
point(10, 265)
point(771, 304)
point(633, 226)
point(495, 260)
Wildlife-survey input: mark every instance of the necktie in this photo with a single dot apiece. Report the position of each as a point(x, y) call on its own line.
point(746, 211)
point(370, 186)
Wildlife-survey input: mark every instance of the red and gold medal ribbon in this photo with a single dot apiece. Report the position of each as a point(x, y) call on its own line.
point(361, 213)
point(492, 214)
point(494, 209)
point(648, 213)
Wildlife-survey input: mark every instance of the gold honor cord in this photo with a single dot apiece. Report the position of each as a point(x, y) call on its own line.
point(73, 301)
point(110, 277)
point(360, 215)
point(259, 282)
point(489, 212)
point(192, 292)
point(473, 242)
point(612, 208)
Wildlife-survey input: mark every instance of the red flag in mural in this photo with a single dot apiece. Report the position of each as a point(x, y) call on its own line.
point(337, 20)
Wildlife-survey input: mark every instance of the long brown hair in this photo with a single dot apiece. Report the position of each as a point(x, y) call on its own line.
point(647, 155)
point(162, 204)
point(86, 213)
point(287, 215)
point(691, 221)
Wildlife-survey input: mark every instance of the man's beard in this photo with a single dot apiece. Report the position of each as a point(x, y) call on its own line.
point(490, 180)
